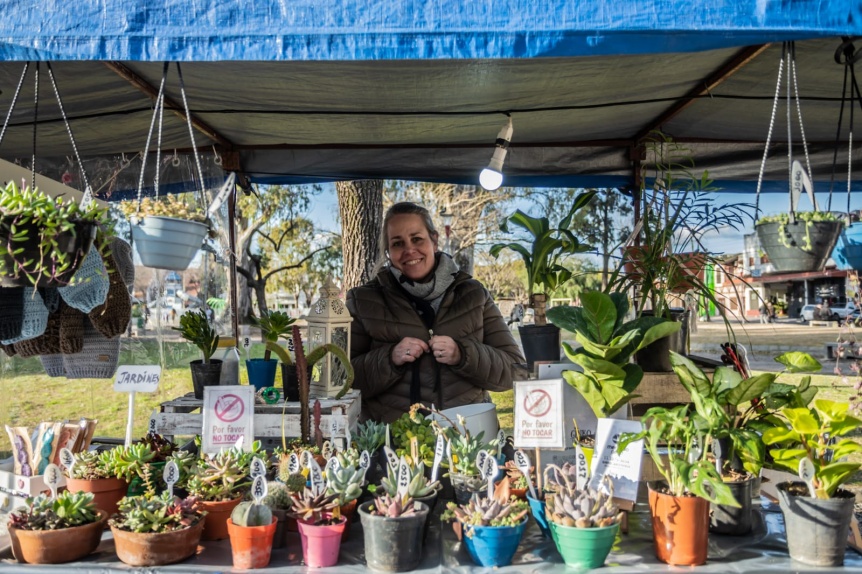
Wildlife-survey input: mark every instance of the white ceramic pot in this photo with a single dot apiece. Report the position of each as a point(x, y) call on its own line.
point(167, 242)
point(478, 417)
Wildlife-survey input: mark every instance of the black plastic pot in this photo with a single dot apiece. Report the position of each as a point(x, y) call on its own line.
point(431, 502)
point(205, 375)
point(724, 519)
point(540, 343)
point(464, 487)
point(785, 244)
point(816, 528)
point(76, 243)
point(393, 544)
point(655, 357)
point(290, 382)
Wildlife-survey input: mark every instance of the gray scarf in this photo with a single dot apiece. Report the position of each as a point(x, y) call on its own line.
point(432, 291)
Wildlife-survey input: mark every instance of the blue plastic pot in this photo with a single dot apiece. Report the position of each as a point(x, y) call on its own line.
point(848, 251)
point(538, 509)
point(493, 545)
point(261, 373)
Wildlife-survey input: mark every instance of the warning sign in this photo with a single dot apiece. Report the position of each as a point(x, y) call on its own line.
point(539, 414)
point(228, 415)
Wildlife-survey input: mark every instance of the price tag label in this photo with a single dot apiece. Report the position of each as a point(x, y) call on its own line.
point(439, 450)
point(582, 468)
point(501, 440)
point(403, 477)
point(259, 489)
point(331, 464)
point(481, 457)
point(258, 468)
point(806, 473)
point(695, 451)
point(364, 459)
point(52, 479)
point(317, 483)
point(349, 437)
point(152, 427)
point(522, 461)
point(391, 457)
point(67, 459)
point(307, 459)
point(490, 470)
point(293, 463)
point(326, 449)
point(171, 474)
point(333, 428)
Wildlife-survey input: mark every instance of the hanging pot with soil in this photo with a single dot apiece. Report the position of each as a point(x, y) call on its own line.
point(802, 245)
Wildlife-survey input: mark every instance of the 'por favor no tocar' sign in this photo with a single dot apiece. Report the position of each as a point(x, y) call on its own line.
point(539, 414)
point(228, 414)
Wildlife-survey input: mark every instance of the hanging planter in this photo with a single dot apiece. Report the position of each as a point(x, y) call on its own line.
point(802, 245)
point(848, 250)
point(168, 242)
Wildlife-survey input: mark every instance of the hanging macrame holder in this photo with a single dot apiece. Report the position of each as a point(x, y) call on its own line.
point(167, 242)
point(794, 242)
point(24, 269)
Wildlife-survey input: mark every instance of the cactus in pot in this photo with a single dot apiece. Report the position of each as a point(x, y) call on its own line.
point(251, 514)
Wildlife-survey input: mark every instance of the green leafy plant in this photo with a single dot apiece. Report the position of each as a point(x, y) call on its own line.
point(410, 425)
point(195, 328)
point(818, 434)
point(418, 486)
point(608, 342)
point(545, 251)
point(274, 325)
point(159, 513)
point(369, 436)
point(222, 476)
point(68, 510)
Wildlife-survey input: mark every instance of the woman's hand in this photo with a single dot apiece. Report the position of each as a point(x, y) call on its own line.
point(408, 350)
point(445, 349)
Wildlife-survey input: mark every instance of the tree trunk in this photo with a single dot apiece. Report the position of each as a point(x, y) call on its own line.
point(360, 204)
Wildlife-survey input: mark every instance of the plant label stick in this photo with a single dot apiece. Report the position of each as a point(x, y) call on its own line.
point(501, 440)
point(716, 452)
point(388, 439)
point(582, 469)
point(490, 471)
point(331, 464)
point(152, 427)
point(239, 441)
point(364, 459)
point(695, 451)
point(449, 456)
point(258, 468)
point(481, 456)
point(522, 461)
point(391, 458)
point(67, 459)
point(439, 450)
point(403, 477)
point(52, 479)
point(293, 465)
point(316, 477)
point(414, 449)
point(306, 459)
point(333, 429)
point(326, 450)
point(347, 438)
point(259, 488)
point(806, 473)
point(171, 474)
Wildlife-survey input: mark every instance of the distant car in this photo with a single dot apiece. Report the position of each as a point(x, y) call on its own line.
point(808, 312)
point(843, 311)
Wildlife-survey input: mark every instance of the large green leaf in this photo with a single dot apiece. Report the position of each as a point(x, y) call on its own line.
point(725, 378)
point(845, 447)
point(750, 388)
point(621, 302)
point(705, 482)
point(580, 202)
point(600, 314)
point(659, 331)
point(602, 351)
point(589, 389)
point(634, 376)
point(778, 434)
point(535, 226)
point(568, 318)
point(799, 362)
point(600, 369)
point(802, 421)
point(691, 377)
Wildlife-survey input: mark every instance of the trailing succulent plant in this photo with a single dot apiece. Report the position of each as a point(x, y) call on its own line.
point(393, 506)
point(345, 482)
point(419, 485)
point(557, 477)
point(220, 477)
point(369, 436)
point(278, 495)
point(314, 508)
point(585, 509)
point(499, 510)
point(173, 205)
point(160, 513)
point(68, 510)
point(251, 514)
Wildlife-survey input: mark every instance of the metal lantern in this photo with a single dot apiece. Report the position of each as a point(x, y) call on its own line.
point(328, 322)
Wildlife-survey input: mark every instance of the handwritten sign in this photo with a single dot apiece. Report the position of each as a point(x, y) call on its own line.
point(624, 469)
point(391, 457)
point(481, 457)
point(317, 483)
point(522, 461)
point(326, 449)
point(539, 414)
point(806, 473)
point(439, 450)
point(403, 477)
point(331, 464)
point(67, 459)
point(259, 489)
point(228, 416)
point(52, 479)
point(258, 468)
point(582, 468)
point(306, 458)
point(364, 459)
point(171, 475)
point(333, 428)
point(501, 440)
point(293, 463)
point(137, 378)
point(490, 469)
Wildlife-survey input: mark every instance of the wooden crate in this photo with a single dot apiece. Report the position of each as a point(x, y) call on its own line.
point(14, 489)
point(183, 417)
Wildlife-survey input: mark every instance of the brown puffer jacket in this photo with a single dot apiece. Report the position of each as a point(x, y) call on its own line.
point(383, 315)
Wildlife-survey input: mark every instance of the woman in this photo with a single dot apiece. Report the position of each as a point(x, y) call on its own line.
point(424, 331)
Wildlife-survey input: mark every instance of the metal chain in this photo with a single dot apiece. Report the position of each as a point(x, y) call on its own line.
point(150, 135)
point(14, 101)
point(88, 192)
point(35, 124)
point(161, 112)
point(192, 136)
point(769, 134)
point(799, 117)
point(838, 140)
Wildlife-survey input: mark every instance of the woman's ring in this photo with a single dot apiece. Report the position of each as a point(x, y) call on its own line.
point(407, 352)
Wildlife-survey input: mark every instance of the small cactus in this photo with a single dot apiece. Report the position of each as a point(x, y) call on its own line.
point(251, 514)
point(393, 506)
point(585, 509)
point(278, 496)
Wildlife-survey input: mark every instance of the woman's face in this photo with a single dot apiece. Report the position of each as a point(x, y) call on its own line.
point(411, 248)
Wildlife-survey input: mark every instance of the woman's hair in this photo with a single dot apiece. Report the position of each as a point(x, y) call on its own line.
point(402, 208)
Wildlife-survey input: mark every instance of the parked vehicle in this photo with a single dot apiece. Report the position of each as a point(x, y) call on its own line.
point(843, 311)
point(808, 312)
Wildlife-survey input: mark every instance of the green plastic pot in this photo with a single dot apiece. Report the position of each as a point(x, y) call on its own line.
point(584, 547)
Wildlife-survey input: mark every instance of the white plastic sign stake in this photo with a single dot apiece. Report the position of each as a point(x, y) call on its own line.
point(293, 463)
point(501, 440)
point(582, 469)
point(316, 477)
point(326, 450)
point(171, 474)
point(258, 468)
point(52, 479)
point(806, 473)
point(490, 470)
point(522, 461)
point(403, 477)
point(152, 427)
point(136, 379)
point(259, 489)
point(364, 460)
point(391, 458)
point(333, 429)
point(695, 451)
point(67, 459)
point(449, 456)
point(306, 459)
point(481, 457)
point(388, 440)
point(331, 464)
point(439, 450)
point(239, 441)
point(347, 437)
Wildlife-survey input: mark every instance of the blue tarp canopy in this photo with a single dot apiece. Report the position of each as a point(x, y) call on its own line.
point(323, 90)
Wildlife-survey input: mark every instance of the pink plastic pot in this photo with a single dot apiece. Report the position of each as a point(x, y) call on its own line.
point(320, 544)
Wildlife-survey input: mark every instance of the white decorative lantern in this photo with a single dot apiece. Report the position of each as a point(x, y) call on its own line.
point(328, 322)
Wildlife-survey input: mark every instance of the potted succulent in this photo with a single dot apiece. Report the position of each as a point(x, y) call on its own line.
point(217, 484)
point(346, 482)
point(195, 328)
point(676, 440)
point(466, 478)
point(96, 473)
point(252, 527)
point(584, 524)
point(393, 527)
point(491, 528)
point(156, 530)
point(56, 531)
point(419, 487)
point(556, 477)
point(320, 527)
point(607, 341)
point(543, 257)
point(517, 481)
point(279, 502)
point(799, 241)
point(812, 442)
point(370, 436)
point(43, 240)
point(274, 325)
point(167, 231)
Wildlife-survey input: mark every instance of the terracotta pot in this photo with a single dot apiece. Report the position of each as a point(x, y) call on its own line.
point(157, 549)
point(217, 514)
point(56, 546)
point(521, 493)
point(107, 492)
point(251, 546)
point(680, 526)
point(348, 511)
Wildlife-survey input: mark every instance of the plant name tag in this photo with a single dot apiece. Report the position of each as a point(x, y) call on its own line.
point(67, 459)
point(582, 468)
point(501, 440)
point(137, 378)
point(259, 488)
point(391, 458)
point(307, 459)
point(364, 459)
point(439, 451)
point(481, 457)
point(52, 479)
point(293, 463)
point(326, 449)
point(489, 471)
point(258, 468)
point(522, 461)
point(316, 477)
point(403, 477)
point(171, 475)
point(806, 473)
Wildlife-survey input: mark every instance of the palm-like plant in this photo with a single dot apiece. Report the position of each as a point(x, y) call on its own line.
point(195, 328)
point(274, 325)
point(546, 249)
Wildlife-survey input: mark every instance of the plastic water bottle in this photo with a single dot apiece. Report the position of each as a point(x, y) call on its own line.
point(229, 356)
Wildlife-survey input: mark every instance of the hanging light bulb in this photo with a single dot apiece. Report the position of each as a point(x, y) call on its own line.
point(491, 177)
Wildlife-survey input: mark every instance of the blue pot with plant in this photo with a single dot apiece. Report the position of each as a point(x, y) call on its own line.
point(274, 325)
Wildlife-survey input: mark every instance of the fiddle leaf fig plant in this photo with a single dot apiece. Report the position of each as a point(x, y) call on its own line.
point(545, 250)
point(608, 342)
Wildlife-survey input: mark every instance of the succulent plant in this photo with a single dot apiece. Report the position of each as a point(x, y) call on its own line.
point(161, 447)
point(419, 485)
point(68, 510)
point(278, 495)
point(514, 475)
point(132, 461)
point(557, 477)
point(160, 513)
point(585, 509)
point(499, 510)
point(312, 508)
point(163, 206)
point(219, 477)
point(185, 461)
point(251, 514)
point(91, 465)
point(393, 506)
point(345, 482)
point(369, 436)
point(349, 457)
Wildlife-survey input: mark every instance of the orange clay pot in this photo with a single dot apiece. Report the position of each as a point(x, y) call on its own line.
point(57, 546)
point(107, 492)
point(348, 511)
point(680, 526)
point(157, 548)
point(215, 527)
point(251, 546)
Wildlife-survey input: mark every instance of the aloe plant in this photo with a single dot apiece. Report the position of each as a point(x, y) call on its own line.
point(419, 485)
